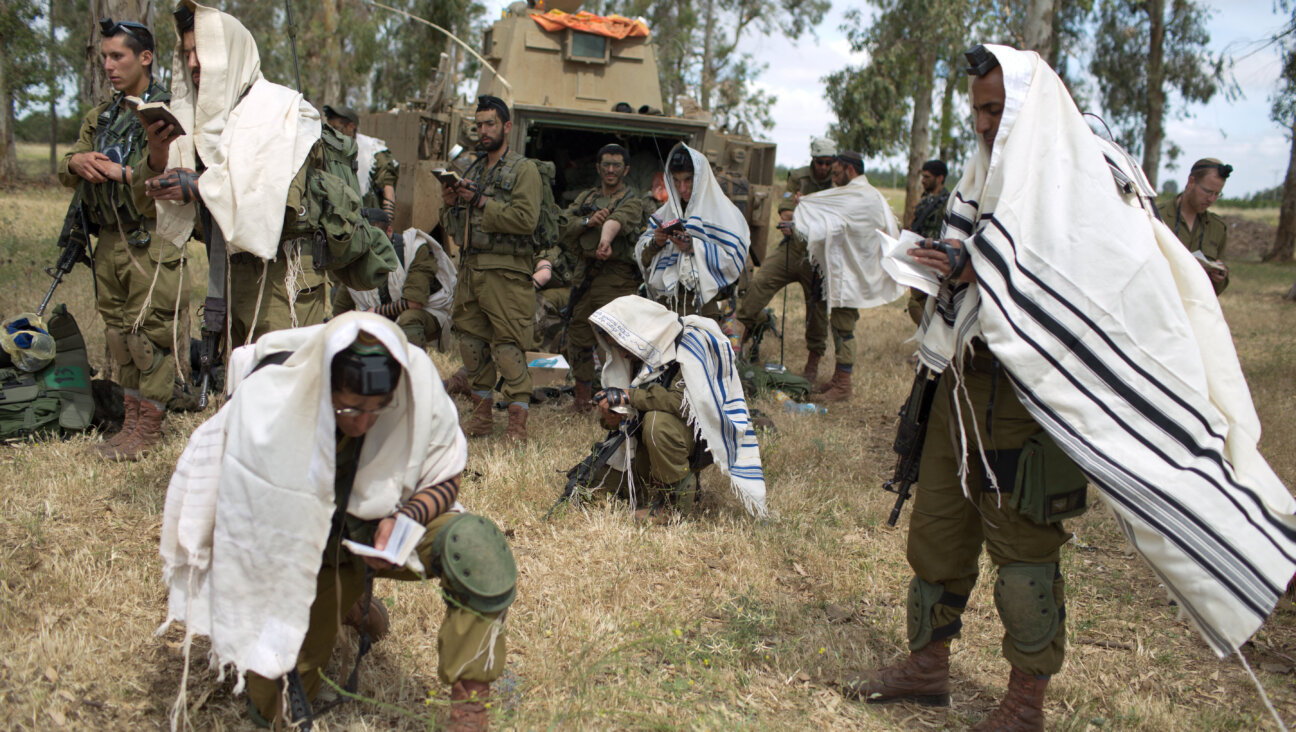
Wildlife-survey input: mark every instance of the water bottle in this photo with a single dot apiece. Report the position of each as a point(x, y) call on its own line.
point(793, 407)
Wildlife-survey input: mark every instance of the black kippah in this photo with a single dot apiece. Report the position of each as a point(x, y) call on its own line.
point(486, 103)
point(184, 18)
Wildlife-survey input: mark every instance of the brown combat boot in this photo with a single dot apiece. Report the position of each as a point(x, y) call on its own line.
point(1022, 708)
point(839, 387)
point(583, 394)
point(482, 421)
point(811, 370)
point(923, 678)
point(147, 434)
point(516, 431)
point(468, 701)
point(377, 622)
point(109, 448)
point(458, 383)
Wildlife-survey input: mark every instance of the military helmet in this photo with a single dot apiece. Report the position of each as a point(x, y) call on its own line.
point(821, 148)
point(477, 566)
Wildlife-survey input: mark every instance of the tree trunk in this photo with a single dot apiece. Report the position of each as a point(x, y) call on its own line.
point(945, 140)
point(1291, 294)
point(53, 92)
point(920, 130)
point(1154, 133)
point(1286, 236)
point(708, 60)
point(1039, 28)
point(8, 156)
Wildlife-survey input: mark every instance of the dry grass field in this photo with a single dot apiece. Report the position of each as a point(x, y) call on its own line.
point(720, 622)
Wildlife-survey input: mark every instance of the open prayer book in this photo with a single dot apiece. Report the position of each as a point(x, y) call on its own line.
point(447, 177)
point(404, 537)
point(1208, 263)
point(903, 268)
point(150, 112)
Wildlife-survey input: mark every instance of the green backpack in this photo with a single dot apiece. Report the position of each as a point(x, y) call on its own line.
point(55, 400)
point(355, 253)
point(546, 233)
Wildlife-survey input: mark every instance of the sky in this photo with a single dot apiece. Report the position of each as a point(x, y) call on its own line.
point(1237, 131)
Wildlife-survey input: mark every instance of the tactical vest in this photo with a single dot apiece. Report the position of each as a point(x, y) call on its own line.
point(119, 134)
point(623, 245)
point(55, 400)
point(499, 184)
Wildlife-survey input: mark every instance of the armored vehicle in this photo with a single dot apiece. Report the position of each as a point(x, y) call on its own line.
point(566, 85)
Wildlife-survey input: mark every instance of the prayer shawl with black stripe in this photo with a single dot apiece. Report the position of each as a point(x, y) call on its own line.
point(714, 404)
point(1114, 340)
point(720, 234)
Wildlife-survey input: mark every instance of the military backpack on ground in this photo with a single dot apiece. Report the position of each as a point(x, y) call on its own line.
point(56, 400)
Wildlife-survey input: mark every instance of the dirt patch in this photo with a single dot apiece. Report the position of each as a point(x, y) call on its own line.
point(1248, 239)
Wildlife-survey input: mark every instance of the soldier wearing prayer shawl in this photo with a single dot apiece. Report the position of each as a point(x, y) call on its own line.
point(346, 429)
point(272, 195)
point(676, 379)
point(1071, 329)
point(695, 247)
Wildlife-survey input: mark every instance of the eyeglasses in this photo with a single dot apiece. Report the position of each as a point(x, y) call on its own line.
point(826, 160)
point(353, 412)
point(138, 31)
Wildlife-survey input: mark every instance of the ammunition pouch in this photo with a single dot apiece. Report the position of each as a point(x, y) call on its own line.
point(1024, 597)
point(476, 565)
point(1046, 484)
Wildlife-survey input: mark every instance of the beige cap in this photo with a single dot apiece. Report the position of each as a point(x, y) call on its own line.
point(821, 148)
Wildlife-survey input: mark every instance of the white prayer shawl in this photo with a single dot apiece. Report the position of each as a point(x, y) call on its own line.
point(720, 235)
point(369, 147)
point(248, 510)
point(841, 228)
point(439, 302)
point(252, 135)
point(713, 397)
point(1114, 341)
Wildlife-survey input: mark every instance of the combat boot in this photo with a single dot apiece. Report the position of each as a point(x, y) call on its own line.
point(923, 677)
point(582, 394)
point(839, 387)
point(108, 448)
point(375, 624)
point(1022, 708)
point(811, 370)
point(468, 701)
point(458, 383)
point(147, 434)
point(482, 421)
point(517, 423)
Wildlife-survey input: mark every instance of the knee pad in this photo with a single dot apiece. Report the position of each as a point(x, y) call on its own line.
point(475, 353)
point(923, 597)
point(476, 563)
point(843, 335)
point(1024, 596)
point(117, 345)
point(511, 362)
point(146, 357)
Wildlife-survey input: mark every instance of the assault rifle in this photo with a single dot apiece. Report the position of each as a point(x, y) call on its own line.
point(74, 240)
point(910, 434)
point(583, 474)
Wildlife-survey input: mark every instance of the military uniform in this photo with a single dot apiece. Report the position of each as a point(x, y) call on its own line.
point(552, 299)
point(494, 306)
point(385, 172)
point(420, 326)
point(1209, 236)
point(608, 279)
point(928, 217)
point(128, 257)
point(463, 635)
point(802, 181)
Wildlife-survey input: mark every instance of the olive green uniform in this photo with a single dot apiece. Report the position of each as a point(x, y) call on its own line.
point(126, 275)
point(494, 307)
point(419, 326)
point(385, 172)
point(1209, 235)
point(609, 279)
point(340, 583)
point(552, 299)
point(685, 301)
point(665, 441)
point(802, 181)
point(947, 530)
point(928, 218)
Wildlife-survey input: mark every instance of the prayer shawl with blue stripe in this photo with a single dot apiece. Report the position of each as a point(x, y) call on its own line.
point(714, 403)
point(1114, 340)
point(720, 234)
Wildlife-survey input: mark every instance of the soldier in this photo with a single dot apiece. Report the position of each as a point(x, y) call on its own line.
point(376, 167)
point(815, 177)
point(242, 176)
point(600, 227)
point(928, 216)
point(141, 290)
point(493, 214)
point(1199, 229)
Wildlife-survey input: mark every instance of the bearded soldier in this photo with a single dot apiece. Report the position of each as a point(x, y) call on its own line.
point(600, 227)
point(928, 216)
point(1199, 229)
point(141, 289)
point(493, 215)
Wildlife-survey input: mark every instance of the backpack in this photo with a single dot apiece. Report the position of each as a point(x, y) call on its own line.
point(56, 400)
point(546, 233)
point(356, 253)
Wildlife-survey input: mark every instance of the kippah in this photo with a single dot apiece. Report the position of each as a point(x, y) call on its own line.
point(487, 102)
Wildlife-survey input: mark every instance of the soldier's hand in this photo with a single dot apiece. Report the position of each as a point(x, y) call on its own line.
point(683, 241)
point(176, 184)
point(160, 135)
point(659, 237)
point(380, 542)
point(449, 196)
point(937, 260)
point(604, 251)
point(543, 273)
point(597, 218)
point(94, 167)
point(1218, 273)
point(785, 227)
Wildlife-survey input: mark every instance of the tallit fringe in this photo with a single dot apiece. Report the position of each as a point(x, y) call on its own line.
point(256, 312)
point(1259, 687)
point(497, 627)
point(179, 716)
point(749, 504)
point(292, 274)
point(175, 322)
